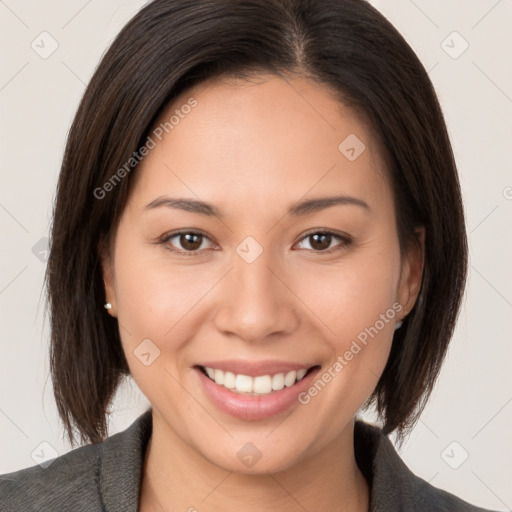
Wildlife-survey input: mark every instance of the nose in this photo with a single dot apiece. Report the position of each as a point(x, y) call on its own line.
point(256, 301)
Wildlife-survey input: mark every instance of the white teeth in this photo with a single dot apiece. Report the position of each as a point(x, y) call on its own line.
point(229, 380)
point(243, 383)
point(219, 377)
point(301, 373)
point(289, 379)
point(261, 385)
point(278, 381)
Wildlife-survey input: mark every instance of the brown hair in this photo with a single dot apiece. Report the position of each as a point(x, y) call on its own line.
point(348, 46)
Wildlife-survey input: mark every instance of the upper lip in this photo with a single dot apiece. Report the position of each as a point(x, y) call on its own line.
point(255, 368)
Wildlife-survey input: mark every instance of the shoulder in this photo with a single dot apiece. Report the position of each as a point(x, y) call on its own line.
point(394, 487)
point(69, 480)
point(94, 477)
point(428, 497)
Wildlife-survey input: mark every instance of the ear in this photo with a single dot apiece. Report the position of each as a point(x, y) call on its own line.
point(104, 252)
point(412, 271)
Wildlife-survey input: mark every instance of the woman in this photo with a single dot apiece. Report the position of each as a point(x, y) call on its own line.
point(259, 219)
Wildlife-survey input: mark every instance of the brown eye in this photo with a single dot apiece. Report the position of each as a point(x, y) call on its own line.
point(190, 241)
point(186, 242)
point(320, 241)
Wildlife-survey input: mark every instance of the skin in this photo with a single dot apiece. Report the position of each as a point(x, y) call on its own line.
point(253, 149)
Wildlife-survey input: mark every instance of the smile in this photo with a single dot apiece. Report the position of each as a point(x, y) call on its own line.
point(256, 386)
point(253, 391)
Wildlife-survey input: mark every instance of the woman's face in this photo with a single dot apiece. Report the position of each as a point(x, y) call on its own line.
point(259, 289)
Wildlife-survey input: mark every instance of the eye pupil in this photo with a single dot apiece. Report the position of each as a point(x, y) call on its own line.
point(321, 245)
point(186, 243)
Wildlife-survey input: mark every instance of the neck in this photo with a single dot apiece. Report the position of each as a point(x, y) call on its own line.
point(175, 477)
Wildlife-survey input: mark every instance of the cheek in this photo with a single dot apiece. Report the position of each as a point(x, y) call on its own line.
point(352, 295)
point(155, 302)
point(155, 311)
point(356, 305)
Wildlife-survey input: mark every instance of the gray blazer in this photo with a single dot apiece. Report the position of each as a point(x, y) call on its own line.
point(106, 477)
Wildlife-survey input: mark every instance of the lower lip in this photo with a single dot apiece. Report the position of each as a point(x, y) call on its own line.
point(250, 407)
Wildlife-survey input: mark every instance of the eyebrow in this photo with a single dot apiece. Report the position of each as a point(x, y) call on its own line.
point(298, 209)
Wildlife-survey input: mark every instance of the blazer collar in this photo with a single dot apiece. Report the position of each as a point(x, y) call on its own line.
point(121, 465)
point(390, 480)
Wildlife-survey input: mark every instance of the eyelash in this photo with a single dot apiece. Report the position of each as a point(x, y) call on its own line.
point(345, 239)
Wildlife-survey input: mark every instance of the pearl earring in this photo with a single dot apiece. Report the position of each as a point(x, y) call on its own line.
point(108, 305)
point(398, 325)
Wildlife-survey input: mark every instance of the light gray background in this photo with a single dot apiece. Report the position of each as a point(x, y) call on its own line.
point(472, 402)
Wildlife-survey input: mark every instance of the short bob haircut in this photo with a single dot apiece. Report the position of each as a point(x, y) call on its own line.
point(167, 47)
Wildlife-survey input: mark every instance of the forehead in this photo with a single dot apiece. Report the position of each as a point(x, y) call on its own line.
point(257, 141)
